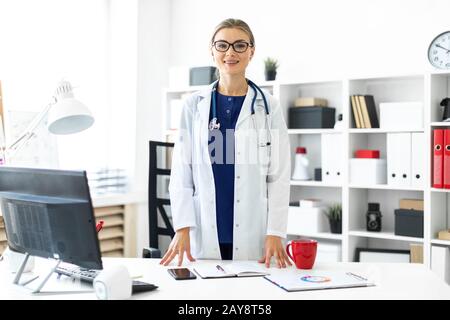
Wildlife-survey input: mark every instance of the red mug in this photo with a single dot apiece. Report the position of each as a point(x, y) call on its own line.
point(303, 252)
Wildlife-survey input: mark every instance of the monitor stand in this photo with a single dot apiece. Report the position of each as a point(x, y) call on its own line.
point(43, 282)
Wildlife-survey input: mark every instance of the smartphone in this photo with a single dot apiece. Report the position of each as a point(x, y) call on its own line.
point(182, 274)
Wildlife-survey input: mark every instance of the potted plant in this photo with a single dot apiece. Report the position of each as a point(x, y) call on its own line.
point(334, 214)
point(271, 66)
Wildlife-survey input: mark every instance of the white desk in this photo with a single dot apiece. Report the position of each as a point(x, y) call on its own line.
point(394, 281)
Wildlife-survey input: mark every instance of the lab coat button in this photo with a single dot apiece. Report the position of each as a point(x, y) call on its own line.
point(237, 225)
point(238, 200)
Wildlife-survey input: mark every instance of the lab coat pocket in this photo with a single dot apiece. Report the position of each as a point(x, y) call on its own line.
point(263, 158)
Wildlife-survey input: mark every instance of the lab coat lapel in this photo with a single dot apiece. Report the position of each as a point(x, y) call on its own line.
point(204, 104)
point(246, 110)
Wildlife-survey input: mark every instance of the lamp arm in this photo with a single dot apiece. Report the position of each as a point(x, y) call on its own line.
point(28, 132)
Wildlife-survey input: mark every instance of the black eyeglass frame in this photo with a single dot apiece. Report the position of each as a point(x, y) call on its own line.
point(249, 45)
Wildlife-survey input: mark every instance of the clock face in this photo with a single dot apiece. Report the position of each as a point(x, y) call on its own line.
point(439, 51)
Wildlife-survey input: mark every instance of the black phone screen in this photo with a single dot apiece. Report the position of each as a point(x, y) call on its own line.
point(182, 273)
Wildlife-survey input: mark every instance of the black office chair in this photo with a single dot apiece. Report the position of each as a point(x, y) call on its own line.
point(156, 204)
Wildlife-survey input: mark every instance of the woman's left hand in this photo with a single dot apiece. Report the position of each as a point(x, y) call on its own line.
point(274, 247)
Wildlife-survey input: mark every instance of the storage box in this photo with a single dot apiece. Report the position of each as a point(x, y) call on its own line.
point(365, 171)
point(416, 252)
point(401, 115)
point(310, 102)
point(305, 221)
point(199, 76)
point(311, 117)
point(444, 235)
point(409, 223)
point(414, 204)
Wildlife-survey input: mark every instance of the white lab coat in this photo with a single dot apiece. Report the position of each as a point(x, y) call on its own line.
point(261, 192)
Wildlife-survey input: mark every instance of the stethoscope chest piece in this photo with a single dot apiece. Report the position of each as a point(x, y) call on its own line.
point(213, 124)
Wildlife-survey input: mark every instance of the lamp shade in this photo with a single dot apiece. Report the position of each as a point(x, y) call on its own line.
point(68, 116)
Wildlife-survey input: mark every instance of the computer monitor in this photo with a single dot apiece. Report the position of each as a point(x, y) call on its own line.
point(49, 214)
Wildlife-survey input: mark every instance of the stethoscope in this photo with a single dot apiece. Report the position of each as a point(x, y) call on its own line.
point(214, 124)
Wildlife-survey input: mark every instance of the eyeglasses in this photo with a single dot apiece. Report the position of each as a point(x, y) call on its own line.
point(238, 46)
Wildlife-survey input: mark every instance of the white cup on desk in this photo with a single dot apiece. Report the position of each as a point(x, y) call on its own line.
point(15, 259)
point(113, 283)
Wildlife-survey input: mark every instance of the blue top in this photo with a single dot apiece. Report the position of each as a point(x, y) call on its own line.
point(221, 152)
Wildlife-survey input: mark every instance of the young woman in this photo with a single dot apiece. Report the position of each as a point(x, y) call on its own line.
point(229, 187)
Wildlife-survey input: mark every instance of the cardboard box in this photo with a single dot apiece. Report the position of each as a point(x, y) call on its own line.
point(444, 235)
point(416, 252)
point(411, 204)
point(310, 102)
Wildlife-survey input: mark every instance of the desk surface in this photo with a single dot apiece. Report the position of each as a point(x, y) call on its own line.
point(393, 281)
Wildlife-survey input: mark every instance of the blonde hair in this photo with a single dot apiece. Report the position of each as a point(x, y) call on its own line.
point(234, 23)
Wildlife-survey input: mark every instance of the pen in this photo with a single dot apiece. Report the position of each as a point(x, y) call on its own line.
point(220, 268)
point(99, 225)
point(356, 276)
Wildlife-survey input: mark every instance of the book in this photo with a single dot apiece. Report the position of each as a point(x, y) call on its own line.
point(364, 111)
point(318, 280)
point(355, 112)
point(373, 116)
point(358, 108)
point(235, 269)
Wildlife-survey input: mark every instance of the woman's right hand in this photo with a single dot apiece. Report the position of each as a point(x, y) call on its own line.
point(179, 245)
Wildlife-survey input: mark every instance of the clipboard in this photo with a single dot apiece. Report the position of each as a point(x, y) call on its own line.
point(318, 280)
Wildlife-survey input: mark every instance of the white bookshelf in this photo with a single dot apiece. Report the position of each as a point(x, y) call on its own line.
point(429, 88)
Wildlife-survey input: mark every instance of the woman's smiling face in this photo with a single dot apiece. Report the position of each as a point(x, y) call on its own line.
point(231, 62)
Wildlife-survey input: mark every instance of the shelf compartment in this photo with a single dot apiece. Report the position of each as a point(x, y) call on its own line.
point(440, 215)
point(440, 88)
point(387, 89)
point(389, 201)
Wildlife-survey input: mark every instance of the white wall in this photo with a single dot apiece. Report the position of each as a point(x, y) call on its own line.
point(42, 42)
point(320, 39)
point(153, 60)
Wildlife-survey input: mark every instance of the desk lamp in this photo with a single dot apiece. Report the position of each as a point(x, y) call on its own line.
point(66, 115)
